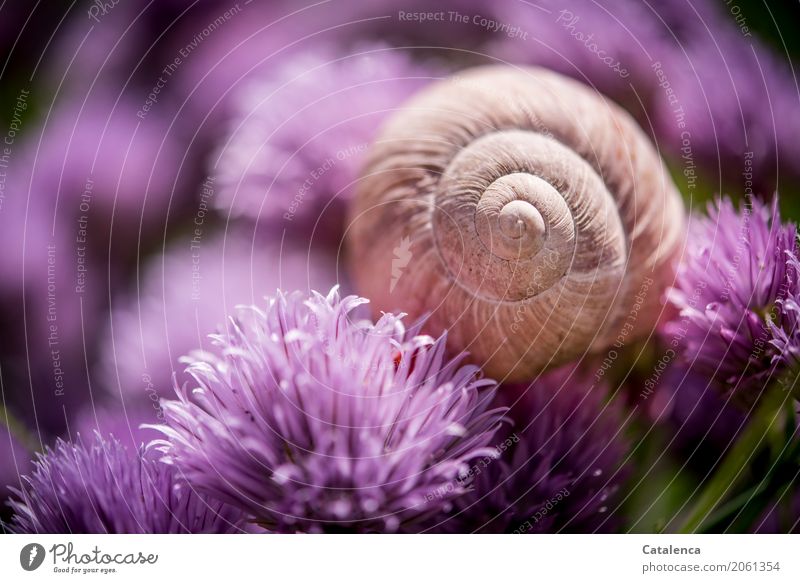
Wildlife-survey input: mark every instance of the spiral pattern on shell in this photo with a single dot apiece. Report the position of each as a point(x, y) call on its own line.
point(523, 212)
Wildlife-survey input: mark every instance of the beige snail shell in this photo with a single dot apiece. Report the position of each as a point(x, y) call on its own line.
point(521, 211)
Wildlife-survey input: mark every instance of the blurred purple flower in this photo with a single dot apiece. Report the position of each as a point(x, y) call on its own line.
point(718, 99)
point(50, 292)
point(15, 460)
point(188, 293)
point(738, 103)
point(122, 422)
point(310, 420)
point(229, 48)
point(95, 158)
point(561, 463)
point(109, 49)
point(300, 136)
point(730, 284)
point(90, 170)
point(102, 487)
point(609, 45)
point(702, 422)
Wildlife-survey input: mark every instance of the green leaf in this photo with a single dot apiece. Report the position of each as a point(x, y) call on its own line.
point(733, 468)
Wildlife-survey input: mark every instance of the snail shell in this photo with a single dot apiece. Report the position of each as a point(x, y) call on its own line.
point(523, 212)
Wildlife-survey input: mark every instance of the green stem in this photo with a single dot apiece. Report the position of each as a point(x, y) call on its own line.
point(739, 456)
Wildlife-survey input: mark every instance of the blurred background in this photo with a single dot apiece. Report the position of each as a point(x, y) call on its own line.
point(163, 162)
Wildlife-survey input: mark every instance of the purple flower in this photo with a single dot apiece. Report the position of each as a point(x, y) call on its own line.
point(125, 423)
point(84, 187)
point(702, 423)
point(299, 137)
point(103, 48)
point(184, 295)
point(561, 463)
point(15, 459)
point(46, 303)
point(312, 420)
point(255, 40)
point(609, 45)
point(730, 285)
point(247, 41)
point(102, 487)
point(737, 101)
point(93, 159)
point(785, 329)
point(683, 68)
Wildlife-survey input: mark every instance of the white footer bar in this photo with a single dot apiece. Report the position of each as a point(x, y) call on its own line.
point(414, 559)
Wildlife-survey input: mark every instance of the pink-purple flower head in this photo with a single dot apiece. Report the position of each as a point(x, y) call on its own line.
point(94, 159)
point(185, 294)
point(785, 329)
point(713, 98)
point(734, 102)
point(51, 291)
point(730, 285)
point(100, 486)
point(299, 137)
point(15, 459)
point(125, 423)
point(311, 420)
